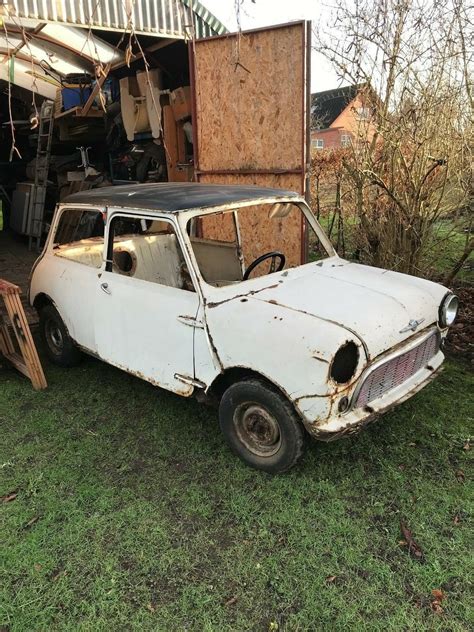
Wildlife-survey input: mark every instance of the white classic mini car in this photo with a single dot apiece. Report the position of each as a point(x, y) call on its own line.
point(185, 285)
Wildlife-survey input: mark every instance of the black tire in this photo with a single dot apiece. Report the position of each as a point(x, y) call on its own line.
point(59, 345)
point(261, 426)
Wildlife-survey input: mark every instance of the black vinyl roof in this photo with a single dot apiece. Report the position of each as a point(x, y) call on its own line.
point(170, 197)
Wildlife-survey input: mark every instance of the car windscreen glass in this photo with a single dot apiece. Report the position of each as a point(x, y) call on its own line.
point(251, 241)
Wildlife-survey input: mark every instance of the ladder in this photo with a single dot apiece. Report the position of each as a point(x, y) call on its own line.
point(43, 157)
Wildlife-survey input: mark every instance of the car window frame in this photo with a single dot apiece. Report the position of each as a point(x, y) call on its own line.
point(113, 212)
point(63, 208)
point(184, 217)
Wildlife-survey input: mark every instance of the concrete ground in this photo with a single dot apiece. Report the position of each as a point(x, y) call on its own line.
point(16, 262)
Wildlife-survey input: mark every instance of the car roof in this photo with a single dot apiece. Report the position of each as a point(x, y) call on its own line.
point(171, 197)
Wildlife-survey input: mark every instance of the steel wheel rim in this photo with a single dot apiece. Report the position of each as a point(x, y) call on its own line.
point(54, 336)
point(257, 429)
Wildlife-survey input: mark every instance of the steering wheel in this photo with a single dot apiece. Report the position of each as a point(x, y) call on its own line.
point(269, 255)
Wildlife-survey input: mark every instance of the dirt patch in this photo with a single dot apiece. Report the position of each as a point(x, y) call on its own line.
point(460, 340)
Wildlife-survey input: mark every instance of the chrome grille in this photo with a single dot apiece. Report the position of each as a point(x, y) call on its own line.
point(396, 370)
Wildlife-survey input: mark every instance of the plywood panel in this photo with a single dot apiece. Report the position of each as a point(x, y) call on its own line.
point(249, 100)
point(250, 123)
point(257, 239)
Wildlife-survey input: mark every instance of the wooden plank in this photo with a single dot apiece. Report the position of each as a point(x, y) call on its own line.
point(170, 141)
point(256, 238)
point(12, 311)
point(35, 367)
point(17, 361)
point(98, 86)
point(76, 113)
point(248, 100)
point(28, 362)
point(31, 355)
point(250, 120)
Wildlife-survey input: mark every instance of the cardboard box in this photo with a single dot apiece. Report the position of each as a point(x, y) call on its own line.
point(180, 101)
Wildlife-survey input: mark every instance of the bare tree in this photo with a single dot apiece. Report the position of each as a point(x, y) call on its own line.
point(409, 165)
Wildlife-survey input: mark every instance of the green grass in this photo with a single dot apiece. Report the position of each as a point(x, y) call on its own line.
point(145, 521)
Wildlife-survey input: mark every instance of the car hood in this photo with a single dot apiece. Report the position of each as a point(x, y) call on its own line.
point(375, 305)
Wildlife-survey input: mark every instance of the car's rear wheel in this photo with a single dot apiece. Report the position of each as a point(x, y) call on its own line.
point(59, 344)
point(261, 426)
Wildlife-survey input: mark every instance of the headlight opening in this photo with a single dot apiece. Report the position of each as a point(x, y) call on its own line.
point(448, 310)
point(345, 362)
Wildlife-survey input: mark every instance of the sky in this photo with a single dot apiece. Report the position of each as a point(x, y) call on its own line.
point(254, 14)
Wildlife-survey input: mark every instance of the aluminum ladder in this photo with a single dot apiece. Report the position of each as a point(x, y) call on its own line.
point(43, 158)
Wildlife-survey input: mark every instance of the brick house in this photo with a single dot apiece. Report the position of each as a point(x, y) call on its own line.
point(340, 117)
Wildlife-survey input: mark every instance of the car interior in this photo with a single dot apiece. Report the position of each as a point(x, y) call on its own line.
point(149, 250)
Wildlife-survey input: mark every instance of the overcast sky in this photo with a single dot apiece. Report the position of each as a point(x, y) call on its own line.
point(268, 12)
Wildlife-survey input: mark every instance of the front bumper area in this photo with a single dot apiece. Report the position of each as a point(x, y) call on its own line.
point(352, 421)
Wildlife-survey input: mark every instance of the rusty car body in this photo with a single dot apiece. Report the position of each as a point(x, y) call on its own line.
point(154, 289)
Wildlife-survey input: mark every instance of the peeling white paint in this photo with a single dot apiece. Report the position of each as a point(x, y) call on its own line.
point(286, 327)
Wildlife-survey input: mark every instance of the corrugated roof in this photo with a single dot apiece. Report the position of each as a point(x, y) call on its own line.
point(165, 18)
point(205, 23)
point(60, 33)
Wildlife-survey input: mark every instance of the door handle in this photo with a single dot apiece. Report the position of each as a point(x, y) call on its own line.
point(105, 288)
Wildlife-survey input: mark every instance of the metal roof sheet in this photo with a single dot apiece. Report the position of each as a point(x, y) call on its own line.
point(170, 197)
point(60, 32)
point(165, 18)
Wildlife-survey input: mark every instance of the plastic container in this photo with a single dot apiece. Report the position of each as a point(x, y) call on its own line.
point(74, 95)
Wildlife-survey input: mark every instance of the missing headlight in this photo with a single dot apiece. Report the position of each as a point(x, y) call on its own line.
point(345, 362)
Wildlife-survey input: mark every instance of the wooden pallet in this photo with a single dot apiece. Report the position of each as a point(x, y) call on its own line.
point(27, 360)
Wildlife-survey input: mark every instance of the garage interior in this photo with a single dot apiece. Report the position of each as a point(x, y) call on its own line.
point(161, 93)
point(88, 100)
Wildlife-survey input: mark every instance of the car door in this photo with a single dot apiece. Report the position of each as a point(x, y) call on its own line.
point(146, 303)
point(70, 268)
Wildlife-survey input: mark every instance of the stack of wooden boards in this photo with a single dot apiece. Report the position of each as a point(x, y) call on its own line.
point(23, 355)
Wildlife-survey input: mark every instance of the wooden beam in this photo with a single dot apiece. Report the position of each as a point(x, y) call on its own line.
point(150, 49)
point(97, 88)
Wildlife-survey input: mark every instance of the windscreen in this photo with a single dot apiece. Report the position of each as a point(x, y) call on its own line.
point(251, 241)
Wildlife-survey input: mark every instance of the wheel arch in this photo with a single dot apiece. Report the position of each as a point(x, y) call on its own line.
point(41, 300)
point(235, 374)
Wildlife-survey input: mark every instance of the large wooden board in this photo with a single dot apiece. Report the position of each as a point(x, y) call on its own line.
point(250, 118)
point(254, 225)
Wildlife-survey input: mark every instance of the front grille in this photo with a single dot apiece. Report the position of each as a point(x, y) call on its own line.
point(396, 370)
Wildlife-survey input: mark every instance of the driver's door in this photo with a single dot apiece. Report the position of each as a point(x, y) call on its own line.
point(146, 305)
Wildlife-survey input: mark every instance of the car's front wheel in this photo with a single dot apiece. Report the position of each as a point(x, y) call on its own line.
point(261, 426)
point(59, 344)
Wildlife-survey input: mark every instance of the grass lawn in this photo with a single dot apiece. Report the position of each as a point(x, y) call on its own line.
point(132, 514)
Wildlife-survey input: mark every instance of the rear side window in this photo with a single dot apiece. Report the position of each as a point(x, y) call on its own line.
point(80, 236)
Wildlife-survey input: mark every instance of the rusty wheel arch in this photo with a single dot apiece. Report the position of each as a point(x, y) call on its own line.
point(237, 374)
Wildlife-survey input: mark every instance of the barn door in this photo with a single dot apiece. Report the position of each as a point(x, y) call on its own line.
point(251, 113)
